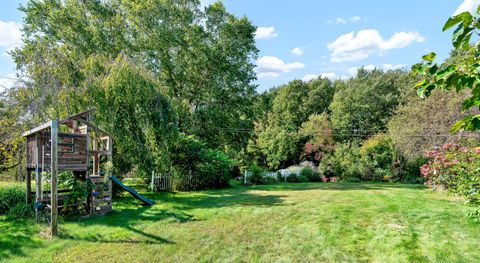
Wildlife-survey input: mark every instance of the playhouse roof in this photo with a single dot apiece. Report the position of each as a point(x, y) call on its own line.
point(82, 117)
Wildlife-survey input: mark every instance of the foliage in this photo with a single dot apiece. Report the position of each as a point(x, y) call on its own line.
point(364, 107)
point(292, 178)
point(196, 167)
point(201, 58)
point(270, 180)
point(277, 138)
point(422, 124)
point(377, 156)
point(10, 196)
point(319, 135)
point(78, 193)
point(310, 174)
point(375, 160)
point(459, 75)
point(279, 146)
point(458, 169)
point(11, 143)
point(344, 163)
point(21, 211)
point(257, 175)
point(138, 113)
point(406, 170)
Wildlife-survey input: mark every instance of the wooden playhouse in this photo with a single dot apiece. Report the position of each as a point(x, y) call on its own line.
point(72, 144)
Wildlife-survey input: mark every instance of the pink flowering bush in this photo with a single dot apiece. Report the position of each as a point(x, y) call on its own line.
point(457, 168)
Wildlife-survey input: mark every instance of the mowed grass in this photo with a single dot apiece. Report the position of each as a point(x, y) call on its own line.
point(281, 223)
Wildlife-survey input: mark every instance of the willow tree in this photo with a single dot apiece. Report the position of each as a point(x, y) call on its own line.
point(203, 56)
point(137, 111)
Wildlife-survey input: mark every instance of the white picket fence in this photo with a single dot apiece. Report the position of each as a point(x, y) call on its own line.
point(160, 182)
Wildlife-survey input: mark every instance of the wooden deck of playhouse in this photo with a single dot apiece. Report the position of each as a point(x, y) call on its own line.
point(72, 144)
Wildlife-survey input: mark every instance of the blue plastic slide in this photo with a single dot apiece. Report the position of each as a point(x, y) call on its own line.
point(134, 193)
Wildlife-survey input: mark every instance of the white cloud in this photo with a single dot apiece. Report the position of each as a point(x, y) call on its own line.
point(370, 67)
point(328, 75)
point(468, 5)
point(272, 67)
point(341, 20)
point(355, 19)
point(393, 66)
point(353, 71)
point(10, 34)
point(351, 47)
point(265, 33)
point(309, 77)
point(297, 51)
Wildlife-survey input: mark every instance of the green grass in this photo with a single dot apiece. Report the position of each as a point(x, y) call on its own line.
point(281, 223)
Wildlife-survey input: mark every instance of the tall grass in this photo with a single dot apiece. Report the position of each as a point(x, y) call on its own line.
point(11, 194)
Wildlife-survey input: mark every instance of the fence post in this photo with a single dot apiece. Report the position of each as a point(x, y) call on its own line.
point(151, 183)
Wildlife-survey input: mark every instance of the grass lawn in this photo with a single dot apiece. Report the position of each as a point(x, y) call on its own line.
point(286, 222)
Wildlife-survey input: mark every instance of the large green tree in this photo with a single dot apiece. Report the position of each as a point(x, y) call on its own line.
point(367, 102)
point(136, 110)
point(204, 56)
point(424, 124)
point(277, 138)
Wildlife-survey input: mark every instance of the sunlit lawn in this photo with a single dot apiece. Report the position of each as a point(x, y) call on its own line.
point(287, 222)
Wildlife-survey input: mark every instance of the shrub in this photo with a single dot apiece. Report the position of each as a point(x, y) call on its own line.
point(257, 175)
point(310, 174)
point(458, 169)
point(10, 196)
point(21, 211)
point(326, 167)
point(377, 156)
point(302, 179)
point(292, 178)
point(346, 162)
point(195, 167)
point(269, 180)
point(280, 177)
point(406, 170)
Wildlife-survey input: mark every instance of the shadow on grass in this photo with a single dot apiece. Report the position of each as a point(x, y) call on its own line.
point(149, 238)
point(230, 197)
point(15, 237)
point(125, 218)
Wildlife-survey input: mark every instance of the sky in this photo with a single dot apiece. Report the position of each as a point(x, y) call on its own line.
point(302, 39)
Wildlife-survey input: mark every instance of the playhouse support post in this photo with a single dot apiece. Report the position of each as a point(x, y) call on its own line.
point(96, 160)
point(38, 190)
point(110, 161)
point(54, 172)
point(38, 179)
point(28, 181)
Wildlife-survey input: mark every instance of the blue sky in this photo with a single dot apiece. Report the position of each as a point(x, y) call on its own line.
point(304, 38)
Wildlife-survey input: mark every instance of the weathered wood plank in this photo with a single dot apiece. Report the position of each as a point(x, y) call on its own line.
point(54, 174)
